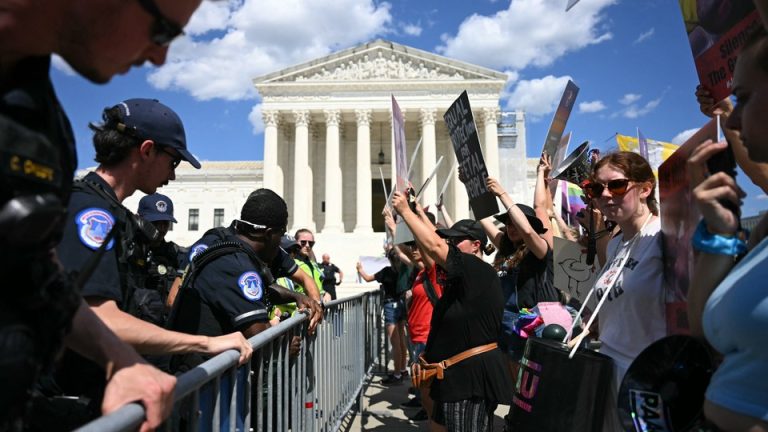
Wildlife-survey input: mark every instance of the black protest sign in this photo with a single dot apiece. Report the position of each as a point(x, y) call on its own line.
point(466, 145)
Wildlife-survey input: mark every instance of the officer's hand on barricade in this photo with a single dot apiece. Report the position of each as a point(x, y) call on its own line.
point(234, 340)
point(313, 309)
point(140, 382)
point(295, 346)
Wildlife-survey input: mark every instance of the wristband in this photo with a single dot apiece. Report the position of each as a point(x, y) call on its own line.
point(716, 244)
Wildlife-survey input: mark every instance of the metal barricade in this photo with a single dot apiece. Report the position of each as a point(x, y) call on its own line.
point(312, 390)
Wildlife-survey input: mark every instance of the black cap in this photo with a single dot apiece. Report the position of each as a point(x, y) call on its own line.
point(156, 207)
point(148, 119)
point(287, 242)
point(529, 213)
point(465, 228)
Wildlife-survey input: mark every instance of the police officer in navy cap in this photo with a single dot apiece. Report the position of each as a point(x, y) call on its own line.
point(165, 257)
point(229, 286)
point(138, 146)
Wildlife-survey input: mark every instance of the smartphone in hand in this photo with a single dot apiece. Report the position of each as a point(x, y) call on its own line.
point(725, 162)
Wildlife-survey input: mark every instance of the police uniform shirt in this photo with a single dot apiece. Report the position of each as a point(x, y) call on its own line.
point(91, 217)
point(281, 266)
point(229, 294)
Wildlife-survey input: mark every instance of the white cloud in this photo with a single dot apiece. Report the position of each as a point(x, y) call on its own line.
point(591, 107)
point(62, 66)
point(256, 120)
point(528, 32)
point(412, 29)
point(538, 97)
point(248, 38)
point(762, 197)
point(683, 136)
point(645, 35)
point(635, 111)
point(629, 98)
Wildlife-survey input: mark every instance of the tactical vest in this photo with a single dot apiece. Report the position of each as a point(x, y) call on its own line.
point(134, 235)
point(225, 244)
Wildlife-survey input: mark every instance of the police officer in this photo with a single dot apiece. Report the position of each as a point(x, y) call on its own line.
point(165, 257)
point(138, 146)
point(233, 290)
point(281, 265)
point(98, 38)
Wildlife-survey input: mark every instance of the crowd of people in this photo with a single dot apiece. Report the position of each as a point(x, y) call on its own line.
point(99, 308)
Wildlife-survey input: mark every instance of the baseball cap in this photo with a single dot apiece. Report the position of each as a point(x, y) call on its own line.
point(529, 213)
point(287, 242)
point(148, 119)
point(156, 207)
point(465, 228)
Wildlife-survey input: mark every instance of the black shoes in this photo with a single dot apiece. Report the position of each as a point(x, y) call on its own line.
point(411, 403)
point(391, 379)
point(419, 416)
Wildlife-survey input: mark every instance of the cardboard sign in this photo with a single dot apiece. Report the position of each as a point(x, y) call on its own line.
point(466, 145)
point(398, 133)
point(372, 265)
point(716, 32)
point(557, 127)
point(556, 159)
point(679, 217)
point(572, 273)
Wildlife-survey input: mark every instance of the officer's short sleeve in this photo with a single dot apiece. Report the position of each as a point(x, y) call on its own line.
point(233, 288)
point(90, 220)
point(283, 265)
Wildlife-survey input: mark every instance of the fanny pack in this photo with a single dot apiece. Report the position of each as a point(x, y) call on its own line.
point(422, 373)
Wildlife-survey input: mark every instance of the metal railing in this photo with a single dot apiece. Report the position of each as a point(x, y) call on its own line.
point(312, 390)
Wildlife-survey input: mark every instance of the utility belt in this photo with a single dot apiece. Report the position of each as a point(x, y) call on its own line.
point(422, 373)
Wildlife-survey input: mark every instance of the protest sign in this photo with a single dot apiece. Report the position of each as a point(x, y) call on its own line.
point(557, 159)
point(679, 217)
point(658, 151)
point(466, 145)
point(571, 3)
point(716, 32)
point(572, 273)
point(372, 265)
point(398, 133)
point(557, 127)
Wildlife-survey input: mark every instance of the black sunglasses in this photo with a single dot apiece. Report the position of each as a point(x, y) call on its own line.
point(175, 159)
point(311, 243)
point(616, 187)
point(251, 228)
point(164, 31)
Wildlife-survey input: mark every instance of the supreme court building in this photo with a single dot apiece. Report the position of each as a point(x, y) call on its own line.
point(328, 142)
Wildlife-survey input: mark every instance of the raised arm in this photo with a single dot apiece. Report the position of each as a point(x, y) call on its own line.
point(542, 200)
point(535, 243)
point(365, 276)
point(426, 238)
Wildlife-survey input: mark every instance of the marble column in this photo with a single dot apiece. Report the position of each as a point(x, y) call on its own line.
point(460, 208)
point(428, 155)
point(491, 132)
point(273, 174)
point(333, 189)
point(363, 213)
point(302, 184)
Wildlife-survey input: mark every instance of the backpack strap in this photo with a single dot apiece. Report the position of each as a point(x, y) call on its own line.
point(430, 290)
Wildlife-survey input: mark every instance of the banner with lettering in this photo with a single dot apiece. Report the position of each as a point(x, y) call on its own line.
point(716, 32)
point(466, 145)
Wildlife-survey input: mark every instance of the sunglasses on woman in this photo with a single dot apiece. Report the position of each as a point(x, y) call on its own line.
point(617, 187)
point(309, 243)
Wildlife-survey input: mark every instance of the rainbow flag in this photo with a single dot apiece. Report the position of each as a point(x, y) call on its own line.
point(573, 202)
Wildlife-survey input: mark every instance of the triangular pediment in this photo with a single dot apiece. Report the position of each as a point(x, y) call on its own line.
point(381, 61)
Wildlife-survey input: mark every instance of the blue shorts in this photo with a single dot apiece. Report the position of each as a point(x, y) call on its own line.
point(394, 312)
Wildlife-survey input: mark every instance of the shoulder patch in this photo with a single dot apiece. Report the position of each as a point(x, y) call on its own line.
point(251, 285)
point(197, 250)
point(93, 226)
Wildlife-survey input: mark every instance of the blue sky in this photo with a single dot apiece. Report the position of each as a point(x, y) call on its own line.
point(630, 58)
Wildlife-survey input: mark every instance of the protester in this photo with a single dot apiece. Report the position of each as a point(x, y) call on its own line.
point(329, 276)
point(466, 320)
point(526, 270)
point(138, 146)
point(727, 299)
point(394, 313)
point(632, 279)
point(98, 39)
